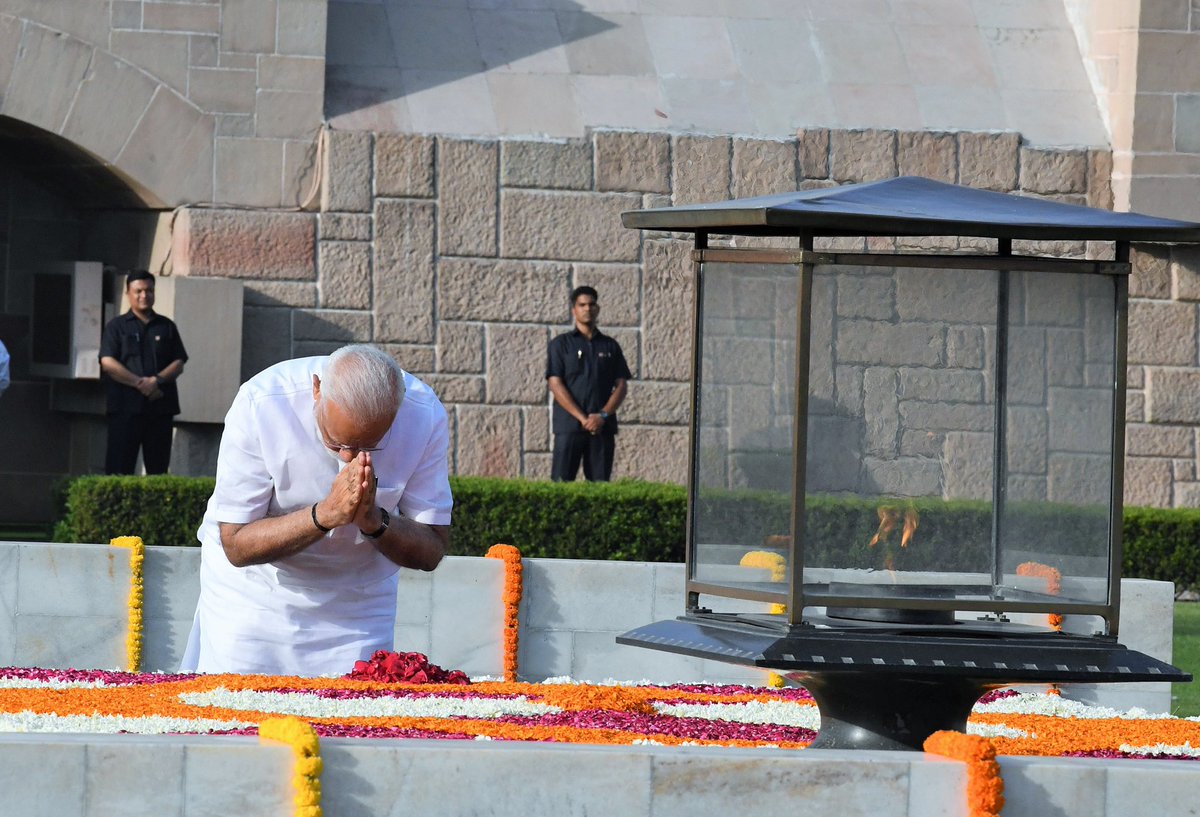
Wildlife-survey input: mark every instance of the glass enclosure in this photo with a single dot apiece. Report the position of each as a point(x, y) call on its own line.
point(946, 440)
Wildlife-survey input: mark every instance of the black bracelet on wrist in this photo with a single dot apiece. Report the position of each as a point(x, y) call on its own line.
point(320, 527)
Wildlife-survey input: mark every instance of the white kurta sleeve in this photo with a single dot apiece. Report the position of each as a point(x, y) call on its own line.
point(244, 485)
point(426, 497)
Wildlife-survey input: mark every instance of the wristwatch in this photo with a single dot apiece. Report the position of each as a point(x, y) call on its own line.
point(383, 526)
point(604, 415)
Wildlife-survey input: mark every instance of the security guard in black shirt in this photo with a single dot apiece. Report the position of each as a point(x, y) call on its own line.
point(141, 356)
point(587, 374)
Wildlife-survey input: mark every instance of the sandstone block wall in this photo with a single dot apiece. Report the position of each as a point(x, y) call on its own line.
point(458, 256)
point(189, 100)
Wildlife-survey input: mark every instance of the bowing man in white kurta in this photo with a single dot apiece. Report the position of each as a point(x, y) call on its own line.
point(322, 494)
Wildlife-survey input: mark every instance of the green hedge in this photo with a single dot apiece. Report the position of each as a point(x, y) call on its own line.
point(643, 521)
point(638, 521)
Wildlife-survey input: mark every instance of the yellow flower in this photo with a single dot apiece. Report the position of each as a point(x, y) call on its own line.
point(307, 771)
point(133, 640)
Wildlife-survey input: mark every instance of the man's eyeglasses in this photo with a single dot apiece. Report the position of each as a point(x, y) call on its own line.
point(355, 448)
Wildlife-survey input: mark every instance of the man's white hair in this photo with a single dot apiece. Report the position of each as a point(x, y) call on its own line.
point(364, 381)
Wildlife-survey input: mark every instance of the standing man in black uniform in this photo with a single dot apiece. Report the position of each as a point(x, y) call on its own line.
point(587, 374)
point(141, 356)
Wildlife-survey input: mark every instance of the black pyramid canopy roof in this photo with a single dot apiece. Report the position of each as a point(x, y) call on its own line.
point(911, 205)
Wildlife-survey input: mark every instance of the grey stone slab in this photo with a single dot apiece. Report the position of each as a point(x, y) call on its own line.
point(43, 779)
point(1167, 785)
point(426, 92)
point(342, 326)
point(467, 631)
point(520, 40)
point(164, 55)
point(541, 104)
point(773, 50)
point(567, 225)
point(359, 34)
point(267, 338)
point(300, 28)
point(127, 14)
point(85, 642)
point(488, 440)
point(539, 291)
point(404, 165)
point(291, 73)
point(248, 26)
point(571, 595)
point(586, 780)
point(621, 101)
point(598, 658)
point(46, 77)
point(347, 173)
point(414, 597)
point(404, 271)
point(544, 653)
point(223, 90)
point(73, 580)
point(164, 643)
point(1080, 420)
point(460, 347)
point(261, 787)
point(468, 191)
point(345, 274)
point(436, 38)
point(190, 17)
point(172, 582)
point(108, 106)
point(515, 364)
point(289, 114)
point(935, 788)
point(413, 638)
point(606, 44)
point(705, 106)
point(248, 171)
point(555, 164)
point(345, 226)
point(673, 40)
point(115, 781)
point(685, 782)
point(170, 150)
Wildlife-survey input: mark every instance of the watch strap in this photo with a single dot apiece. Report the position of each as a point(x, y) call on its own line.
point(384, 521)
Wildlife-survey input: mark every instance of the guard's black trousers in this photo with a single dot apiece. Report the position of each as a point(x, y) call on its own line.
point(129, 432)
point(594, 450)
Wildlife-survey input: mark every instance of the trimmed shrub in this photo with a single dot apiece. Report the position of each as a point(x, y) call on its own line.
point(644, 521)
point(631, 520)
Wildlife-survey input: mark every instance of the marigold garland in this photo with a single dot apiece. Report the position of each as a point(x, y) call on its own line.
point(307, 748)
point(1053, 585)
point(512, 603)
point(133, 638)
point(768, 560)
point(985, 785)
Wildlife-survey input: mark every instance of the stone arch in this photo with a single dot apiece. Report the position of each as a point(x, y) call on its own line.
point(106, 113)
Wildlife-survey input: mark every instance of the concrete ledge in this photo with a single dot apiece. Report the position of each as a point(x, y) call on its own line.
point(210, 775)
point(64, 605)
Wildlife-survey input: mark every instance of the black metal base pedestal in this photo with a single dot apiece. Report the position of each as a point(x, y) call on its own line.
point(892, 686)
point(877, 711)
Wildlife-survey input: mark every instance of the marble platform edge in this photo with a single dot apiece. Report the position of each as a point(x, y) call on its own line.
point(94, 775)
point(64, 605)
